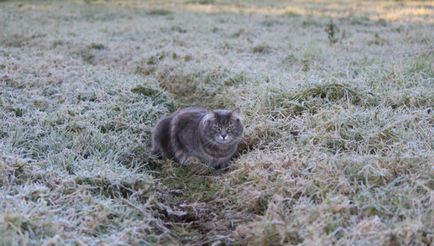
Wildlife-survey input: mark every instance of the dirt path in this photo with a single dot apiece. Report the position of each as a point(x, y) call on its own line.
point(197, 208)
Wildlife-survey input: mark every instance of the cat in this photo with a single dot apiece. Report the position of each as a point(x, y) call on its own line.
point(193, 136)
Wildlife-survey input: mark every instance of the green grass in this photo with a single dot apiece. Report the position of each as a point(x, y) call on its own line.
point(96, 46)
point(195, 187)
point(424, 64)
point(338, 140)
point(161, 12)
point(202, 1)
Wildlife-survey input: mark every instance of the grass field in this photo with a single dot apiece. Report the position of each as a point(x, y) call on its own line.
point(337, 98)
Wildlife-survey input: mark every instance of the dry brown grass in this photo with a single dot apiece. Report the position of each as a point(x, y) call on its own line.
point(337, 100)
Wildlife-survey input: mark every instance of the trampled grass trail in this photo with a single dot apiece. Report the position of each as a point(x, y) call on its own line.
point(337, 99)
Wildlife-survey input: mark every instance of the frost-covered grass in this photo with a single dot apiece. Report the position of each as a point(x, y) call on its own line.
point(337, 100)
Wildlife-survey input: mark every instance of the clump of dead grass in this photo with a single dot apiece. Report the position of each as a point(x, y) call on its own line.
point(313, 97)
point(215, 88)
point(332, 31)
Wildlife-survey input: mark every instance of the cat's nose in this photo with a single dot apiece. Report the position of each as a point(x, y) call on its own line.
point(224, 136)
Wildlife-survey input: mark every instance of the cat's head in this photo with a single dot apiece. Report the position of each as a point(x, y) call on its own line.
point(223, 126)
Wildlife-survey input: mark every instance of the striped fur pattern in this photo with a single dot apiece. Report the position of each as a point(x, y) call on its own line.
point(198, 135)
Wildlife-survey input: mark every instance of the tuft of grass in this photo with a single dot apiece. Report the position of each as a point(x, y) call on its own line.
point(18, 112)
point(291, 14)
point(160, 12)
point(146, 91)
point(358, 20)
point(332, 31)
point(92, 53)
point(20, 40)
point(271, 22)
point(310, 21)
point(148, 66)
point(97, 46)
point(211, 88)
point(236, 80)
point(137, 186)
point(424, 64)
point(204, 2)
point(412, 98)
point(178, 29)
point(312, 98)
point(378, 40)
point(261, 48)
point(157, 96)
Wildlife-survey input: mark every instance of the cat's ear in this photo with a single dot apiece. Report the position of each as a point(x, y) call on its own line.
point(236, 114)
point(209, 117)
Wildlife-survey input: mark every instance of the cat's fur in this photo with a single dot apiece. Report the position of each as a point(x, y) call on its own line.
point(194, 135)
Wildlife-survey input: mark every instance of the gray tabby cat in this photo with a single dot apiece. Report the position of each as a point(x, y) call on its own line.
point(194, 136)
